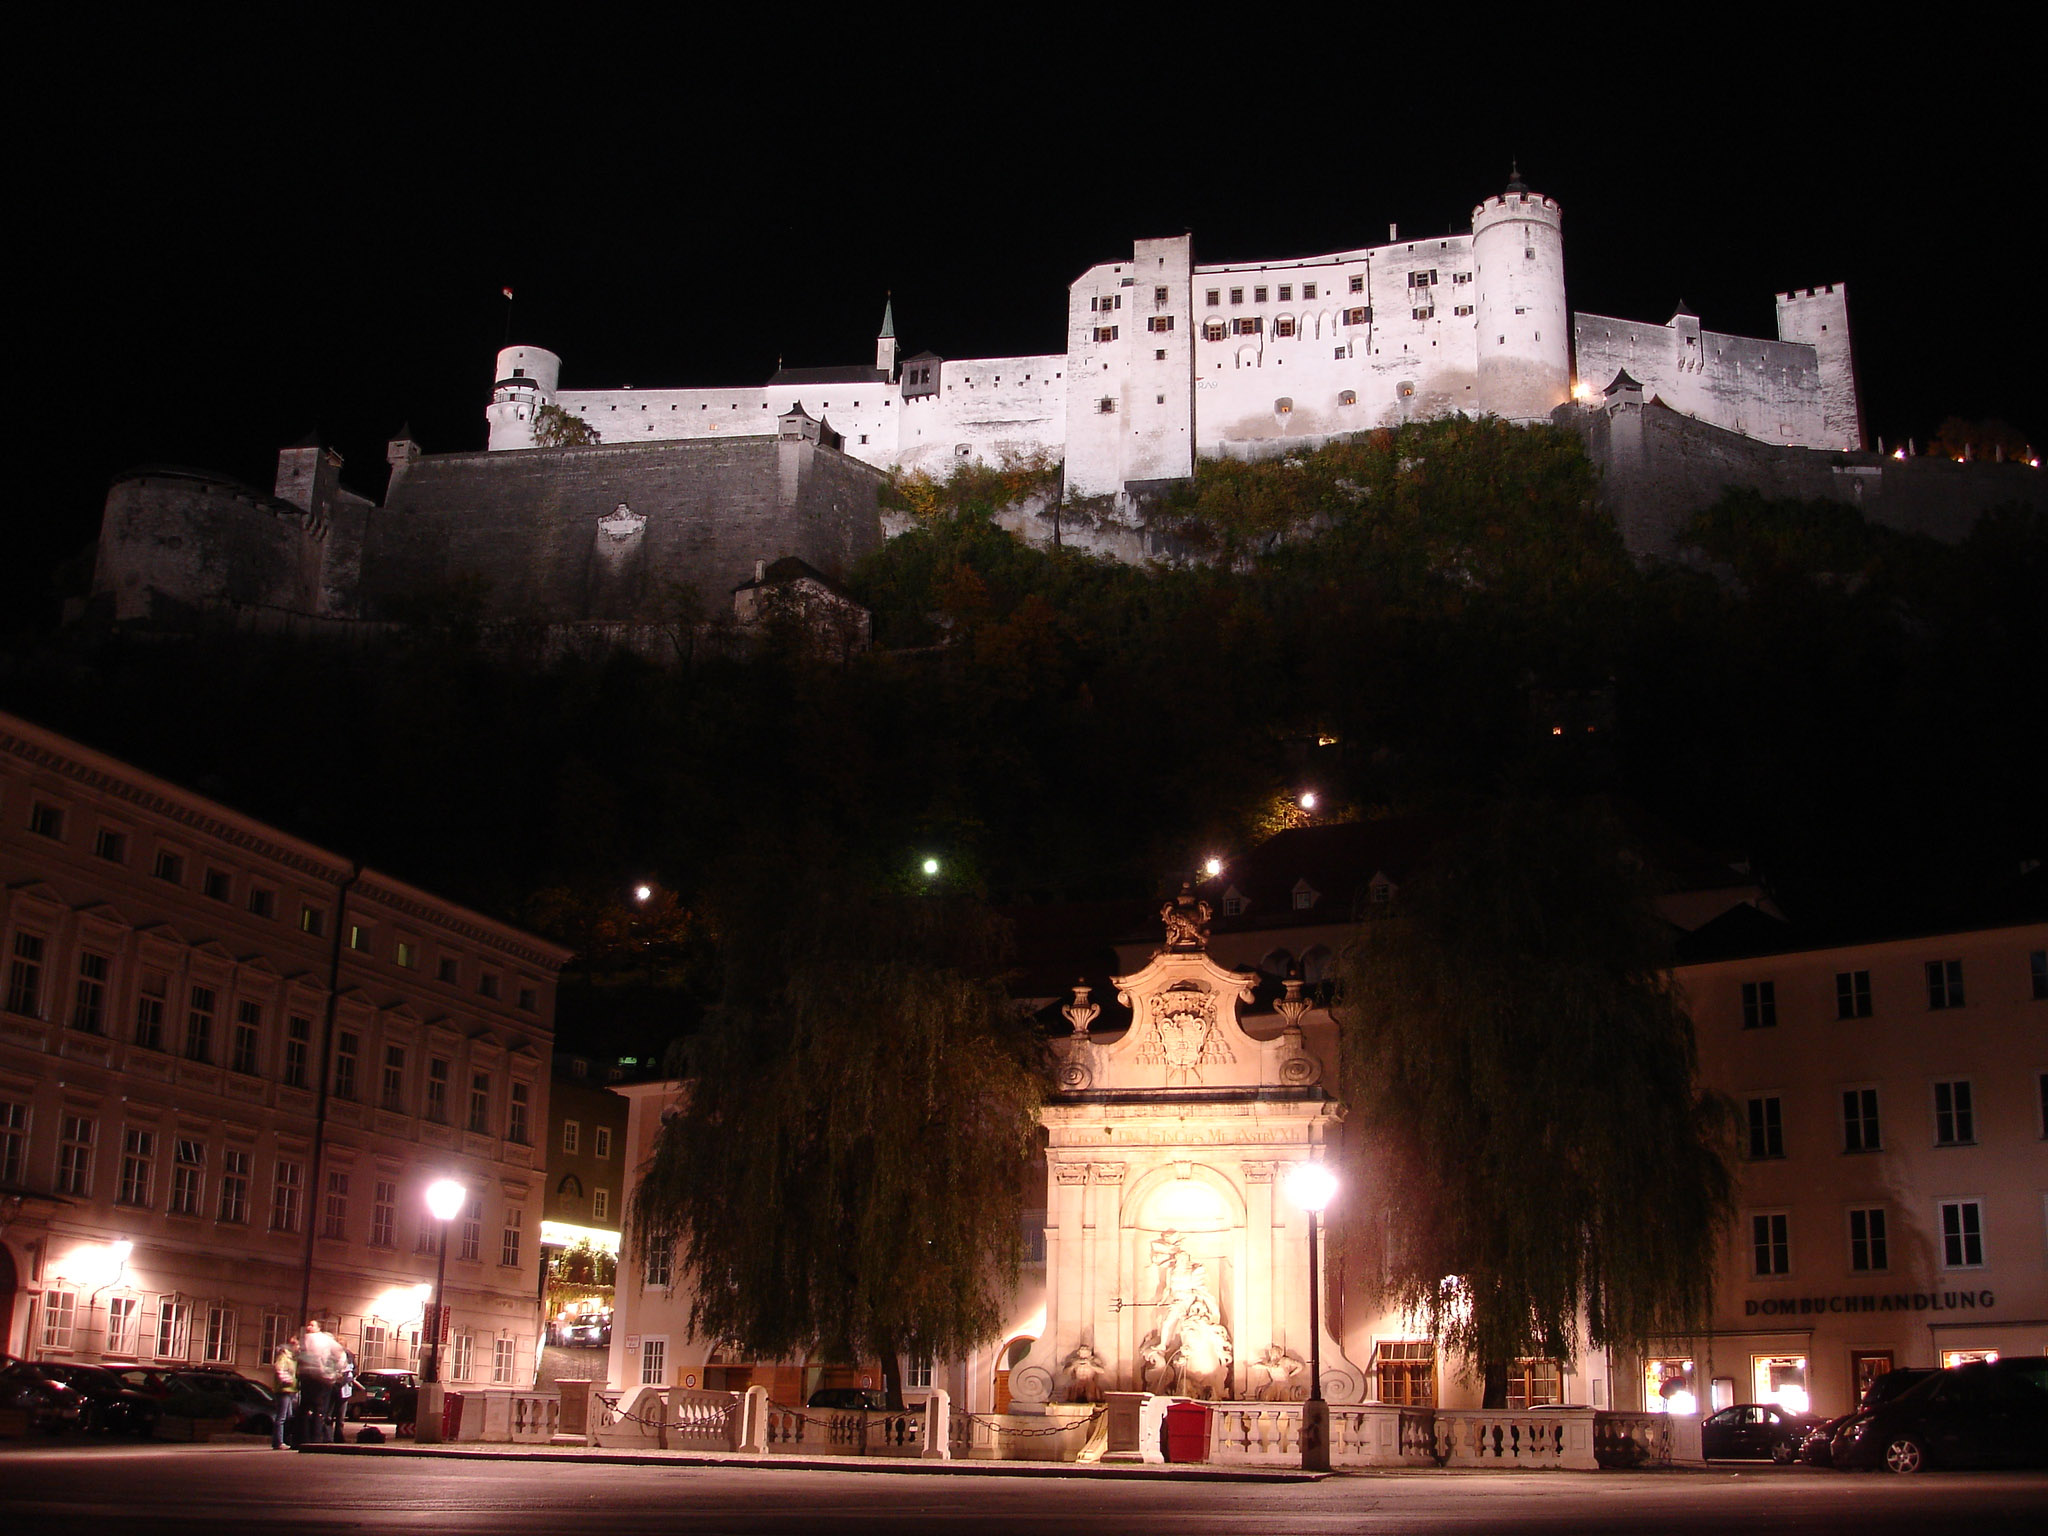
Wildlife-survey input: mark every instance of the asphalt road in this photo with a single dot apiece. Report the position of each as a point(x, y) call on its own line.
point(220, 1489)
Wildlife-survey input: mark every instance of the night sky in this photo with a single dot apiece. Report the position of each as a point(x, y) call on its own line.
point(233, 240)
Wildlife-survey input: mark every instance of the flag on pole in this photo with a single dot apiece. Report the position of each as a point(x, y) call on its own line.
point(508, 293)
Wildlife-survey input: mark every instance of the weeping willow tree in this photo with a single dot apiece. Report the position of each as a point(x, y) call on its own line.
point(1536, 1166)
point(844, 1174)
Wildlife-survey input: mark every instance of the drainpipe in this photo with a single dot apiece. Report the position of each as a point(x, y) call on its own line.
point(320, 1102)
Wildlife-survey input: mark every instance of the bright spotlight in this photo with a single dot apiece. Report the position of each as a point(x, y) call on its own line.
point(1308, 800)
point(643, 892)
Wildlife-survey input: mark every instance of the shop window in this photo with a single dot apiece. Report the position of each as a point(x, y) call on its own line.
point(1407, 1372)
point(1668, 1386)
point(1780, 1379)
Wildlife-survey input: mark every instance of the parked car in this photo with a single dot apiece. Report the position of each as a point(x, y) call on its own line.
point(108, 1404)
point(586, 1333)
point(50, 1404)
point(385, 1394)
point(1825, 1442)
point(1987, 1414)
point(1754, 1432)
point(217, 1392)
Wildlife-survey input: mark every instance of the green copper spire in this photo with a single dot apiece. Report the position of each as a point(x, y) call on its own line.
point(889, 316)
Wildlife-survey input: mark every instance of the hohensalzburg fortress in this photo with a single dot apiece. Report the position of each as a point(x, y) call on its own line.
point(1167, 361)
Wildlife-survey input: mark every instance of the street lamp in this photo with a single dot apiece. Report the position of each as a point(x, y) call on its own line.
point(1310, 1186)
point(445, 1200)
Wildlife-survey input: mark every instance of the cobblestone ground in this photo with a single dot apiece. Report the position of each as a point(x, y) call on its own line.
point(560, 1363)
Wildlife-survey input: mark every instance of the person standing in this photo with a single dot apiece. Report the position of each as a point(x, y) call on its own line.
point(286, 1366)
point(320, 1361)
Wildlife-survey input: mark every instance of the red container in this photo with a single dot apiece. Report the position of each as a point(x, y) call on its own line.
point(1187, 1431)
point(451, 1415)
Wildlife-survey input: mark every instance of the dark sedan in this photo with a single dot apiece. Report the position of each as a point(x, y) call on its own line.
point(50, 1404)
point(1754, 1432)
point(107, 1403)
point(1986, 1414)
point(385, 1394)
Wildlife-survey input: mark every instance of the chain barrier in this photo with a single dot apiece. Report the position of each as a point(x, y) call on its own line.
point(1056, 1429)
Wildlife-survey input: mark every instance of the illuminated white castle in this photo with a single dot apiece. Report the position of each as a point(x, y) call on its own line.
point(1167, 360)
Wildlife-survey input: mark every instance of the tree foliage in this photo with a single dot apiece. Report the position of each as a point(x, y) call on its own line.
point(1530, 1146)
point(554, 427)
point(844, 1174)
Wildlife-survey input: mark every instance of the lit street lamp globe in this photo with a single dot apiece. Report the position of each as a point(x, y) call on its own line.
point(1311, 1186)
point(931, 866)
point(445, 1199)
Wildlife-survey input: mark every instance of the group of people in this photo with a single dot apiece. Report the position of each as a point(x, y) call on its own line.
point(316, 1376)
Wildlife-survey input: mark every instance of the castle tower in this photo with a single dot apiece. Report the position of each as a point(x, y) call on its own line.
point(1523, 329)
point(526, 380)
point(885, 344)
point(1820, 318)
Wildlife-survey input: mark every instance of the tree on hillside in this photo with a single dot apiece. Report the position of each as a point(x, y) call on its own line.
point(554, 427)
point(1535, 1163)
point(844, 1175)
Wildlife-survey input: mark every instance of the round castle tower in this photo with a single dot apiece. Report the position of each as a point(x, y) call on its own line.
point(526, 381)
point(1523, 327)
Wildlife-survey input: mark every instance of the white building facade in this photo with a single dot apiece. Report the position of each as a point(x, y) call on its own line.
point(1167, 360)
point(230, 1064)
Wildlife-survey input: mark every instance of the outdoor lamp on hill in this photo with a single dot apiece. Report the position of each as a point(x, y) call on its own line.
point(1311, 1186)
point(445, 1200)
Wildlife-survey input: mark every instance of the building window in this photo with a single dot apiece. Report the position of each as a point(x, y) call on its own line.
point(461, 1354)
point(262, 902)
point(1347, 397)
point(1407, 1372)
point(1104, 333)
point(173, 1329)
point(1237, 295)
point(199, 1025)
point(508, 1246)
point(1283, 325)
point(1461, 310)
point(1248, 325)
point(437, 1091)
point(1852, 994)
point(46, 820)
point(188, 1178)
point(1759, 1005)
point(1106, 406)
point(220, 1336)
point(59, 1310)
point(89, 1002)
point(1860, 1129)
point(298, 1039)
point(74, 1156)
point(1533, 1383)
point(383, 1213)
point(111, 845)
point(572, 1135)
point(660, 1266)
point(515, 1120)
point(450, 970)
point(1159, 323)
point(480, 1103)
point(653, 1362)
point(918, 1374)
point(359, 937)
point(1866, 1241)
point(504, 1356)
point(407, 953)
point(25, 976)
point(1770, 1242)
point(394, 1078)
point(601, 1141)
point(1944, 984)
point(376, 1346)
point(1427, 312)
point(600, 1204)
point(124, 1324)
point(248, 1035)
point(1214, 330)
point(1766, 1127)
point(1215, 297)
point(529, 997)
point(216, 885)
point(138, 1166)
point(1962, 1234)
point(2037, 966)
point(1359, 315)
point(276, 1330)
point(1955, 1120)
point(234, 1185)
point(1358, 282)
point(487, 984)
point(311, 920)
point(149, 1010)
point(334, 1210)
point(170, 866)
point(1460, 277)
point(347, 1046)
point(14, 1140)
point(472, 1240)
point(287, 1196)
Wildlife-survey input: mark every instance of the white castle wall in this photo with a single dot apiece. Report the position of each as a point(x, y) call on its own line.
point(986, 409)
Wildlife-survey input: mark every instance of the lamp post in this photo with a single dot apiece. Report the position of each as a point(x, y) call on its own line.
point(1310, 1186)
point(445, 1200)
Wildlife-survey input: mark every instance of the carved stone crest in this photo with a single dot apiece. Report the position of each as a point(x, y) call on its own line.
point(621, 523)
point(1180, 1033)
point(1187, 920)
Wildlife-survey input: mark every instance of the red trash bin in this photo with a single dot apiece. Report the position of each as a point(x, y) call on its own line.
point(451, 1415)
point(1187, 1431)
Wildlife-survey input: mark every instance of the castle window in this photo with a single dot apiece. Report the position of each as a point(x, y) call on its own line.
point(1258, 295)
point(1423, 314)
point(1102, 333)
point(1159, 356)
point(1160, 323)
point(1360, 315)
point(1283, 406)
point(1358, 282)
point(1215, 330)
point(1287, 293)
point(1159, 297)
point(1283, 325)
point(1348, 397)
point(1106, 406)
point(1461, 277)
point(1237, 295)
point(1462, 309)
point(1308, 291)
point(1422, 279)
point(1215, 296)
point(1159, 399)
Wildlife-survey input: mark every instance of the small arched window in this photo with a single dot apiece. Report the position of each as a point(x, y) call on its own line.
point(1283, 406)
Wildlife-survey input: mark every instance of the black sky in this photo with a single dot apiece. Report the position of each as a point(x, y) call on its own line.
point(232, 239)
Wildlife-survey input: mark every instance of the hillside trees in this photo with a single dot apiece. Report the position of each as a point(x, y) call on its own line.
point(1529, 1144)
